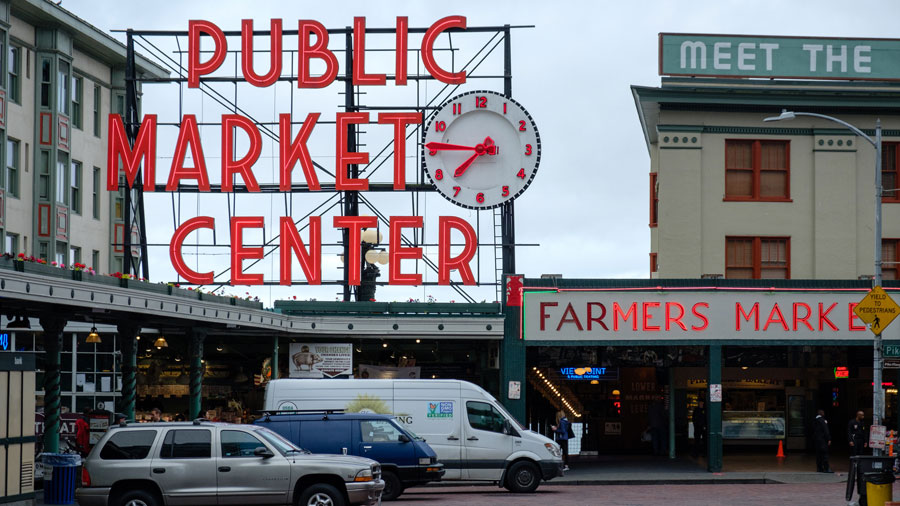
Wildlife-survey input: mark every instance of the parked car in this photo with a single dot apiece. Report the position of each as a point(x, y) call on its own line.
point(473, 435)
point(205, 463)
point(406, 459)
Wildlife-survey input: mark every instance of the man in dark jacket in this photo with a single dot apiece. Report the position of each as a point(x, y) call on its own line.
point(822, 439)
point(856, 434)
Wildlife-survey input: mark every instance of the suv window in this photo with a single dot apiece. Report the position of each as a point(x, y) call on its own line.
point(128, 445)
point(237, 443)
point(379, 431)
point(483, 416)
point(187, 444)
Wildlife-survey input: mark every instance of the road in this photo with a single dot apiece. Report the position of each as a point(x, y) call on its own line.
point(632, 495)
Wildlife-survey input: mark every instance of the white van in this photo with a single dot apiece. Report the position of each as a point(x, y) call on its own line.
point(472, 434)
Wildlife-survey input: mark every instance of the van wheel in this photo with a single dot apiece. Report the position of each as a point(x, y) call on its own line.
point(522, 478)
point(321, 495)
point(392, 486)
point(138, 498)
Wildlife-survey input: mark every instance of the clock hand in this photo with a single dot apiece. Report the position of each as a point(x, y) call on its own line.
point(465, 165)
point(438, 146)
point(485, 148)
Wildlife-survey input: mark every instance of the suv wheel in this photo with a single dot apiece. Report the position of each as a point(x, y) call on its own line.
point(138, 498)
point(523, 477)
point(392, 486)
point(321, 495)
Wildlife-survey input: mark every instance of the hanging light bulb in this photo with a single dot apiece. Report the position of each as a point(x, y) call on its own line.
point(93, 337)
point(161, 343)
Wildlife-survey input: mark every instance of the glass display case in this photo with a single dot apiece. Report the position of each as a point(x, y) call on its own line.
point(753, 425)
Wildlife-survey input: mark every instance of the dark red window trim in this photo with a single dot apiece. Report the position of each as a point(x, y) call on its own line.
point(757, 253)
point(890, 194)
point(756, 163)
point(653, 264)
point(654, 201)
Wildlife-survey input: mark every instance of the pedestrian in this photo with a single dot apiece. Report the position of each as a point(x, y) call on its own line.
point(658, 426)
point(563, 430)
point(856, 434)
point(698, 418)
point(83, 433)
point(822, 439)
point(155, 415)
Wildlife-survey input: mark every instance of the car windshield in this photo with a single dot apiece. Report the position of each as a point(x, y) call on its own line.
point(280, 443)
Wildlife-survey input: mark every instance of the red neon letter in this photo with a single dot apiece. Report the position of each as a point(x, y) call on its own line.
point(566, 319)
point(239, 253)
point(354, 224)
point(599, 319)
point(244, 166)
point(359, 57)
point(292, 151)
point(460, 262)
point(645, 321)
point(677, 319)
point(191, 276)
point(402, 47)
point(195, 68)
point(274, 54)
point(544, 314)
point(144, 148)
point(398, 252)
point(823, 317)
point(317, 50)
point(853, 318)
point(342, 179)
point(776, 310)
point(310, 260)
point(802, 319)
point(188, 134)
point(631, 313)
point(428, 50)
point(399, 120)
point(739, 311)
point(696, 310)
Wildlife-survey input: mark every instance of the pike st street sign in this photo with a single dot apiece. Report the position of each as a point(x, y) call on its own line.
point(877, 309)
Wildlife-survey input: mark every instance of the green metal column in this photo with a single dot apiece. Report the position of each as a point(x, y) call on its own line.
point(671, 413)
point(513, 366)
point(275, 358)
point(197, 336)
point(53, 335)
point(714, 410)
point(128, 333)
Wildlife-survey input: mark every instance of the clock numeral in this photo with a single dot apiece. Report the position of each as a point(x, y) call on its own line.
point(479, 198)
point(480, 102)
point(504, 107)
point(440, 126)
point(456, 190)
point(527, 149)
point(439, 174)
point(457, 108)
point(521, 125)
point(505, 191)
point(521, 174)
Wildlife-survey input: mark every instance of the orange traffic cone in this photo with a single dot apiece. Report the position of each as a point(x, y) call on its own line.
point(780, 453)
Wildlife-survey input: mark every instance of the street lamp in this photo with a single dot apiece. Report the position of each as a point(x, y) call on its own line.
point(877, 390)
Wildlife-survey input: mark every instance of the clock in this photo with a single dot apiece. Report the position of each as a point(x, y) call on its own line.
point(481, 149)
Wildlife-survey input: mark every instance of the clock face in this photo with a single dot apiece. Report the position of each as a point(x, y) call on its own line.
point(481, 149)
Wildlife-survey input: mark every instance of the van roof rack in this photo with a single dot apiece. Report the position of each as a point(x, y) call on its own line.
point(269, 412)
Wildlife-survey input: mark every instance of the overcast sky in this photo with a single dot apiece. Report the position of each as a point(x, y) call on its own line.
point(588, 207)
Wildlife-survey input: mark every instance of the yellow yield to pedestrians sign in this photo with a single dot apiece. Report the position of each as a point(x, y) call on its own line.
point(877, 309)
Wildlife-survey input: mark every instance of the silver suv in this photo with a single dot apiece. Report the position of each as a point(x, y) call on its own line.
point(197, 463)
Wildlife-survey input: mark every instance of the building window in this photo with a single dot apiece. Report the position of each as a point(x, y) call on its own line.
point(62, 191)
point(77, 100)
point(12, 167)
point(757, 258)
point(46, 82)
point(76, 187)
point(60, 253)
point(120, 105)
point(97, 110)
point(74, 255)
point(96, 190)
point(757, 170)
point(889, 260)
point(653, 264)
point(95, 260)
point(654, 200)
point(889, 172)
point(44, 176)
point(43, 250)
point(12, 243)
point(14, 63)
point(63, 78)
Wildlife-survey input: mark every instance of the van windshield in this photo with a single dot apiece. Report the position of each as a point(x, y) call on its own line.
point(509, 417)
point(409, 432)
point(280, 443)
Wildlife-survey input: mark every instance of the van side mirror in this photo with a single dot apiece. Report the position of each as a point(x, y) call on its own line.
point(507, 428)
point(263, 452)
point(404, 438)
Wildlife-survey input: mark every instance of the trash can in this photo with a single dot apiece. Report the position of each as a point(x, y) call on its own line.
point(879, 488)
point(860, 467)
point(60, 477)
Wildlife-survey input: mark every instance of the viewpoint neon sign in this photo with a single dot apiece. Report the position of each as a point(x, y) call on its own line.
point(293, 150)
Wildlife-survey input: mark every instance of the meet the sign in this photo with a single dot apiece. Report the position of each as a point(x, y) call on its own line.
point(683, 54)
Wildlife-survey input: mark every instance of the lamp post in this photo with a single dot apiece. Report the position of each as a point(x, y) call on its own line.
point(877, 390)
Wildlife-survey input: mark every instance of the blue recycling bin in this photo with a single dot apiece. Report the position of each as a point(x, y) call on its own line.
point(60, 477)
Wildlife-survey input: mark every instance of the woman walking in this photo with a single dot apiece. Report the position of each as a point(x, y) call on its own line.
point(563, 431)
